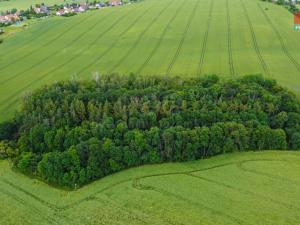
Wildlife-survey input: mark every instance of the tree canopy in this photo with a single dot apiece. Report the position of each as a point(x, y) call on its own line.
point(71, 133)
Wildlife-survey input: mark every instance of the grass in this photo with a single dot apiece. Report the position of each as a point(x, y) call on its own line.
point(11, 30)
point(240, 188)
point(182, 37)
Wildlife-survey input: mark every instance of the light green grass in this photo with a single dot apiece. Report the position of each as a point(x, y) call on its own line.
point(241, 188)
point(182, 37)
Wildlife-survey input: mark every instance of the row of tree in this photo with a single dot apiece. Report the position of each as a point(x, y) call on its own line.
point(288, 4)
point(71, 133)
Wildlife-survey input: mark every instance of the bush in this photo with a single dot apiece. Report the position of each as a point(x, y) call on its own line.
point(296, 141)
point(8, 130)
point(27, 162)
point(6, 151)
point(69, 14)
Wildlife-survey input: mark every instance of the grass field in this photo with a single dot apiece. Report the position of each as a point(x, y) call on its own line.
point(243, 188)
point(182, 37)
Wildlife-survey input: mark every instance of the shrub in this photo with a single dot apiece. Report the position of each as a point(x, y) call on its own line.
point(6, 151)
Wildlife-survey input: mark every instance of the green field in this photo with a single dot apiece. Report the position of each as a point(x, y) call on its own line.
point(242, 188)
point(182, 37)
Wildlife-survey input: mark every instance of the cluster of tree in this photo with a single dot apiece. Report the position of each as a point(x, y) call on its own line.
point(290, 5)
point(71, 133)
point(11, 11)
point(1, 33)
point(30, 13)
point(4, 25)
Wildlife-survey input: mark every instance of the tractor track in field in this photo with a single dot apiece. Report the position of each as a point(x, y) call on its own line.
point(207, 168)
point(162, 220)
point(44, 45)
point(282, 44)
point(137, 215)
point(161, 38)
point(242, 167)
point(41, 33)
point(254, 40)
point(189, 201)
point(93, 195)
point(114, 42)
point(98, 37)
point(126, 211)
point(11, 103)
point(246, 192)
point(135, 44)
point(186, 30)
point(229, 41)
point(30, 207)
point(72, 42)
point(135, 181)
point(54, 209)
point(204, 43)
point(43, 202)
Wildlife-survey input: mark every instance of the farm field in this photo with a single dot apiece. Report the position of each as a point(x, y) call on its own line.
point(242, 188)
point(182, 37)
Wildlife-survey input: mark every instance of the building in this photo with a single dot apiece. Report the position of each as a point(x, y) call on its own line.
point(115, 2)
point(63, 11)
point(41, 10)
point(83, 7)
point(9, 19)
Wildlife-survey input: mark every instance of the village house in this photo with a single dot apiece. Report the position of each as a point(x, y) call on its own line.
point(9, 19)
point(41, 10)
point(83, 7)
point(115, 2)
point(98, 5)
point(63, 11)
point(79, 9)
point(73, 8)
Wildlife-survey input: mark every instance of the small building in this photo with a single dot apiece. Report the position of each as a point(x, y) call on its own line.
point(63, 11)
point(83, 7)
point(115, 2)
point(2, 19)
point(9, 19)
point(41, 10)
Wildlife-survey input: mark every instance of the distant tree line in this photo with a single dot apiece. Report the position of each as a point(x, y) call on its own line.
point(290, 5)
point(72, 133)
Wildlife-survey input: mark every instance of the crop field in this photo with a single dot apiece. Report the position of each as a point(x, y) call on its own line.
point(153, 37)
point(245, 188)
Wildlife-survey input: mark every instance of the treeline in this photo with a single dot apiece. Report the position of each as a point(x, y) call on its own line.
point(72, 133)
point(290, 5)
